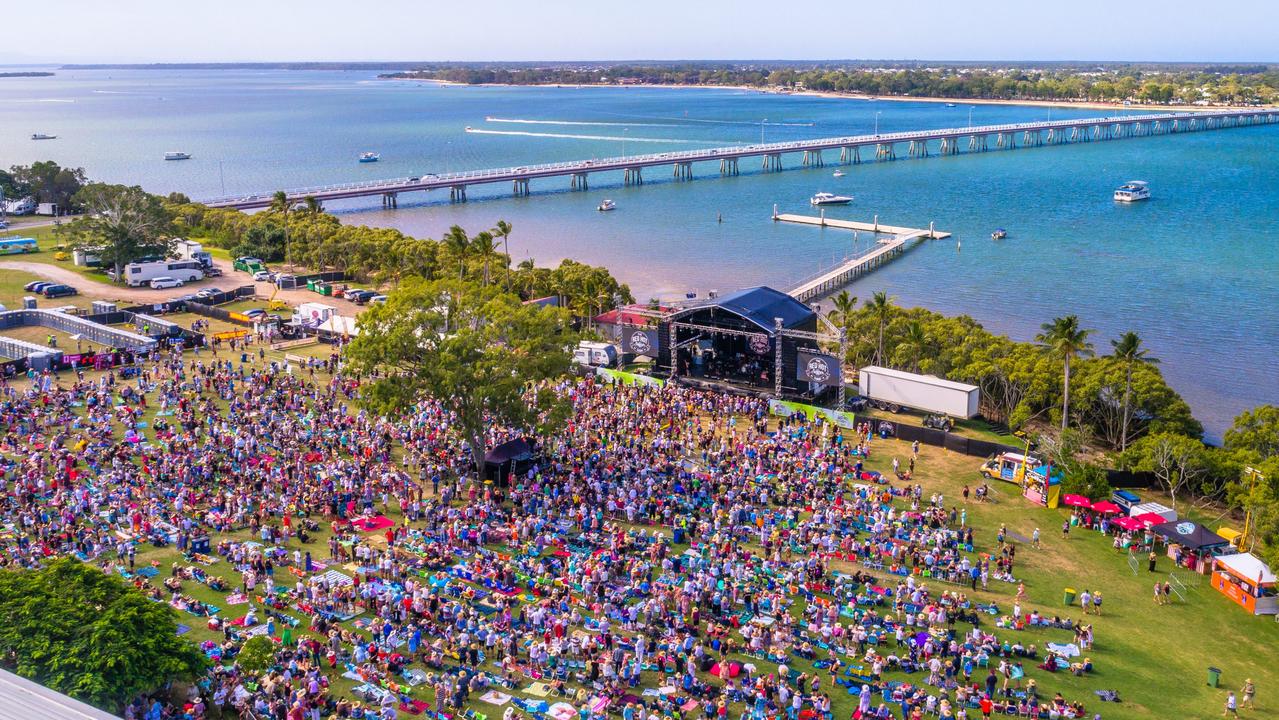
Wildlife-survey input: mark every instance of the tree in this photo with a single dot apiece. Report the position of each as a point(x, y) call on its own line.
point(485, 249)
point(257, 655)
point(912, 345)
point(502, 231)
point(1128, 350)
point(1088, 480)
point(78, 631)
point(1063, 338)
point(12, 188)
point(881, 306)
point(475, 350)
point(124, 223)
point(1099, 388)
point(845, 308)
point(51, 183)
point(458, 245)
point(1255, 433)
point(1179, 462)
point(311, 205)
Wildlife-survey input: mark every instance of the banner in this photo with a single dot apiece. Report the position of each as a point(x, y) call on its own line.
point(625, 378)
point(786, 408)
point(640, 341)
point(817, 367)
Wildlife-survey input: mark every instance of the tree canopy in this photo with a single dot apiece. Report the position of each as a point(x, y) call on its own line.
point(86, 634)
point(124, 223)
point(48, 181)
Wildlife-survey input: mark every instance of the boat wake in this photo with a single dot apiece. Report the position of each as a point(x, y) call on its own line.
point(523, 121)
point(615, 138)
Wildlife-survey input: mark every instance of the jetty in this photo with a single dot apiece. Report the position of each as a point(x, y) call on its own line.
point(826, 281)
point(816, 152)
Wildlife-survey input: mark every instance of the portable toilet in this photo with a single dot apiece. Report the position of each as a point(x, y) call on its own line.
point(29, 302)
point(103, 307)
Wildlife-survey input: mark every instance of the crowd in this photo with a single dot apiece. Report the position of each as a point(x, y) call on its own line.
point(669, 553)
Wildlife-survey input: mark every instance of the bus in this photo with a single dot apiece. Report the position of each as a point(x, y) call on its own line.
point(142, 273)
point(15, 246)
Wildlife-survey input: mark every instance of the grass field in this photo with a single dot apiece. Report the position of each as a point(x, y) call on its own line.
point(1155, 656)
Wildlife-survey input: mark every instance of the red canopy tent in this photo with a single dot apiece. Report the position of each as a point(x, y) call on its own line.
point(1106, 507)
point(1151, 519)
point(1076, 501)
point(1130, 523)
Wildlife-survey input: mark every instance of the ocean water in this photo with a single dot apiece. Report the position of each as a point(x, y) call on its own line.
point(1195, 270)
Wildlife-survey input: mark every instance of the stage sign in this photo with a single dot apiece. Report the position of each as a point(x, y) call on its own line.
point(641, 342)
point(817, 367)
point(786, 408)
point(625, 378)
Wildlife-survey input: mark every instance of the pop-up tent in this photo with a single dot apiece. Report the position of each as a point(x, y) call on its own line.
point(513, 456)
point(1190, 535)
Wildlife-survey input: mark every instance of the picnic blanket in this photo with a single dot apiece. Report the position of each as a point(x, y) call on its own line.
point(562, 711)
point(1064, 649)
point(236, 599)
point(333, 577)
point(373, 524)
point(493, 697)
point(538, 689)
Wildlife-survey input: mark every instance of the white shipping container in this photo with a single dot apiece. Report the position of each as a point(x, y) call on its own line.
point(919, 392)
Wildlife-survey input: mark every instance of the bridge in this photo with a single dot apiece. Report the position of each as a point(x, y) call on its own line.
point(881, 147)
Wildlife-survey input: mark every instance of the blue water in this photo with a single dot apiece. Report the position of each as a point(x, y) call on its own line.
point(1193, 270)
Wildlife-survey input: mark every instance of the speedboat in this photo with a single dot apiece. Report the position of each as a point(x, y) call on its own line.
point(999, 234)
point(1132, 191)
point(606, 206)
point(838, 173)
point(825, 198)
point(177, 156)
point(950, 104)
point(42, 136)
point(369, 157)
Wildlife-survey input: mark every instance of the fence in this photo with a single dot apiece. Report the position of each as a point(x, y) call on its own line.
point(937, 438)
point(72, 324)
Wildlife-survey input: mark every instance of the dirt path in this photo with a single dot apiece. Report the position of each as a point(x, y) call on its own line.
point(97, 289)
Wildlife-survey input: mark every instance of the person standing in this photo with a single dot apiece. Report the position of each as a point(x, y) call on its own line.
point(1085, 600)
point(1248, 691)
point(1153, 559)
point(1232, 705)
point(1034, 538)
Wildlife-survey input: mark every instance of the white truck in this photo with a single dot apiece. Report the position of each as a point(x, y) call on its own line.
point(192, 250)
point(312, 314)
point(919, 392)
point(142, 273)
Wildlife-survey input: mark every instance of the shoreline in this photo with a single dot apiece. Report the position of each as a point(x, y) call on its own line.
point(834, 95)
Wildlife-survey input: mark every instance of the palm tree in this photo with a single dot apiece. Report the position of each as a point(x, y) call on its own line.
point(1128, 349)
point(503, 231)
point(280, 204)
point(1064, 338)
point(881, 304)
point(845, 306)
point(311, 205)
point(915, 339)
point(458, 244)
point(485, 249)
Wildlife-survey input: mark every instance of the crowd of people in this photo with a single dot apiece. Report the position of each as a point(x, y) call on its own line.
point(668, 553)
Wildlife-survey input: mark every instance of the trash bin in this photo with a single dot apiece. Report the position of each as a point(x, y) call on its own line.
point(1069, 598)
point(1214, 677)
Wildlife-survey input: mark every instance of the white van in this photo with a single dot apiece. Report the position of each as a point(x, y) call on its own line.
point(595, 354)
point(163, 282)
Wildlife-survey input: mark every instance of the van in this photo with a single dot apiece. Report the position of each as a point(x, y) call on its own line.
point(595, 354)
point(164, 282)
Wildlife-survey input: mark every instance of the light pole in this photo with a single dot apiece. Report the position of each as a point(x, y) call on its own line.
point(877, 112)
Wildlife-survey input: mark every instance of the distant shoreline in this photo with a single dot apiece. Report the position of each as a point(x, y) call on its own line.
point(25, 74)
point(1081, 104)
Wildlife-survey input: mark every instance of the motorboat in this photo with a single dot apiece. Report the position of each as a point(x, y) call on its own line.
point(838, 173)
point(177, 156)
point(42, 136)
point(369, 157)
point(825, 198)
point(999, 234)
point(950, 104)
point(606, 206)
point(1132, 191)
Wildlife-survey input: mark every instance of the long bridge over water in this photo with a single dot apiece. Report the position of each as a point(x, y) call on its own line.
point(851, 150)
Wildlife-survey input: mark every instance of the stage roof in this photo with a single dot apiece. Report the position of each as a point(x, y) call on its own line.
point(761, 304)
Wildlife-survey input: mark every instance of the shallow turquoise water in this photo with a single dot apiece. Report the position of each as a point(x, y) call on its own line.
point(1194, 270)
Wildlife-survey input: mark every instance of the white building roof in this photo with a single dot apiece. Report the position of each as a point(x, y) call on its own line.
point(22, 699)
point(1249, 566)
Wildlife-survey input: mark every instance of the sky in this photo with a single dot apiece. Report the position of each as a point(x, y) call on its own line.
point(83, 31)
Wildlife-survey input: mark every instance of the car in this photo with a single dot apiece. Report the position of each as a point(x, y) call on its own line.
point(255, 313)
point(353, 294)
point(212, 272)
point(209, 292)
point(4, 224)
point(36, 286)
point(165, 282)
point(261, 276)
point(378, 299)
point(56, 290)
point(415, 179)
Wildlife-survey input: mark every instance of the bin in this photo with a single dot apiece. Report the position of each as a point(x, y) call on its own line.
point(1214, 677)
point(1069, 598)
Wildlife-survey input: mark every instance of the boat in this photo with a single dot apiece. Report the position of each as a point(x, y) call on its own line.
point(825, 198)
point(42, 136)
point(177, 156)
point(838, 173)
point(1132, 191)
point(999, 234)
point(369, 157)
point(606, 206)
point(950, 104)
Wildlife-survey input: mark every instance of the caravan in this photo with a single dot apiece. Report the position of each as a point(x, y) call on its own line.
point(142, 273)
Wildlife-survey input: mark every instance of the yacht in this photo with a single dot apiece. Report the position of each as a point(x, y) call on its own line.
point(42, 136)
point(838, 173)
point(606, 206)
point(177, 156)
point(369, 157)
point(999, 234)
point(1132, 191)
point(825, 198)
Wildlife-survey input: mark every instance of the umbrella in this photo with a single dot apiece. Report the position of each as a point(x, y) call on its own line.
point(1129, 523)
point(1076, 501)
point(1107, 507)
point(1151, 519)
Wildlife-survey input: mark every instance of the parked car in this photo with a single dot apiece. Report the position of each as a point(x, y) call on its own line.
point(165, 282)
point(212, 271)
point(36, 285)
point(261, 276)
point(378, 299)
point(54, 291)
point(254, 313)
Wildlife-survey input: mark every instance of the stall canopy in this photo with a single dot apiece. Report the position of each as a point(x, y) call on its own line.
point(1190, 535)
point(1248, 567)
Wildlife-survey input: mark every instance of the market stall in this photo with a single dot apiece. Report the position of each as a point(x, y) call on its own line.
point(1042, 485)
point(1192, 545)
point(1248, 581)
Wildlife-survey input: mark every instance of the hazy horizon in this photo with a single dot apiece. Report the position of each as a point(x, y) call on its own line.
point(237, 31)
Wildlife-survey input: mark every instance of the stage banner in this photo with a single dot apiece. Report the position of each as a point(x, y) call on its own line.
point(640, 341)
point(625, 378)
point(817, 367)
point(786, 408)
